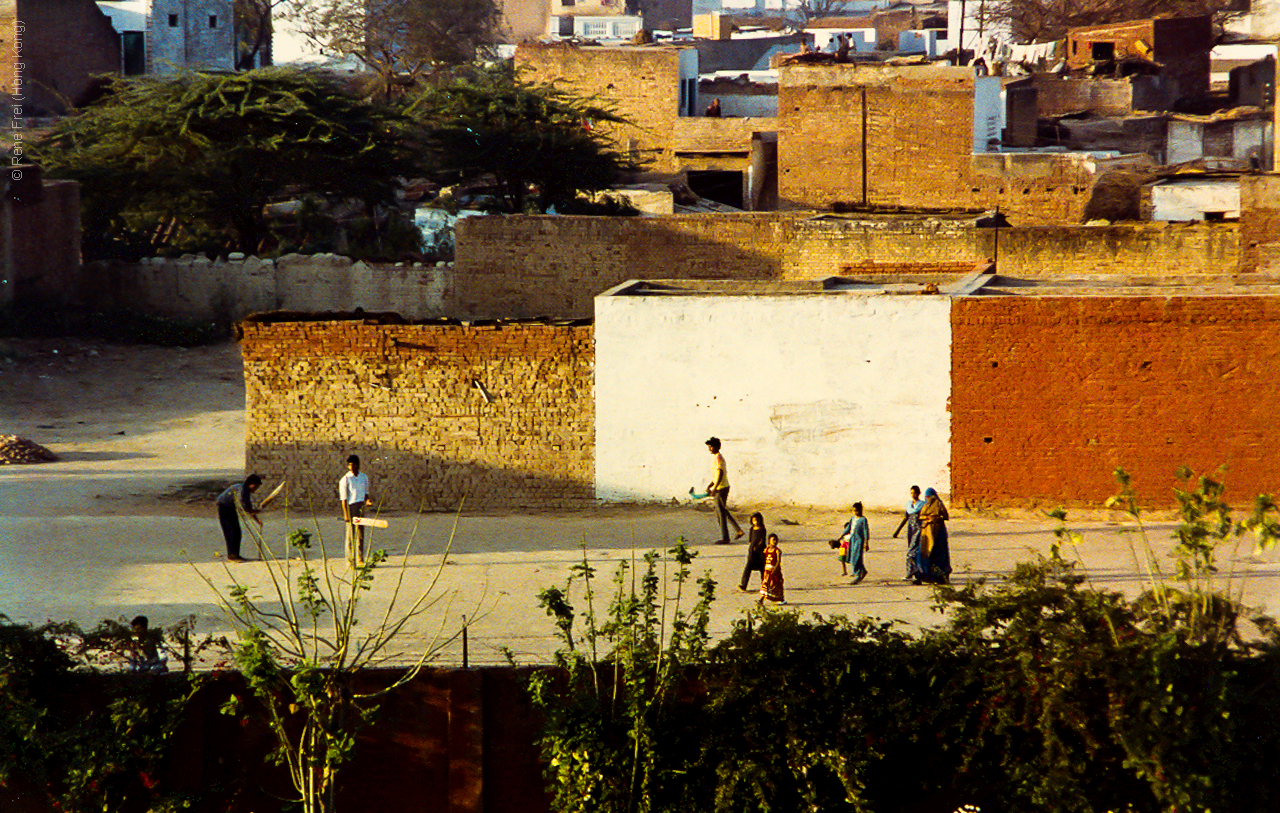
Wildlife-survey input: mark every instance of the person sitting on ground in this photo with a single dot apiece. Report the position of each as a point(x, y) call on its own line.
point(146, 655)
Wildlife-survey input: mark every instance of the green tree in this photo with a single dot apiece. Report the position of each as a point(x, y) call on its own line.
point(539, 145)
point(189, 162)
point(398, 39)
point(301, 649)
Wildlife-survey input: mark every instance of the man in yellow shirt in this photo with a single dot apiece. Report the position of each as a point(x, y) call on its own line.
point(719, 489)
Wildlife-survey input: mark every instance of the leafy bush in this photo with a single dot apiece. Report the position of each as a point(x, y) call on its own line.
point(1039, 693)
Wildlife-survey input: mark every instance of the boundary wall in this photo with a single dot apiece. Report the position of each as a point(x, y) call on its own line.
point(501, 414)
point(461, 740)
point(1049, 395)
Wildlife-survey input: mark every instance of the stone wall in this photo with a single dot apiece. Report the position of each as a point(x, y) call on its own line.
point(195, 34)
point(499, 415)
point(1050, 395)
point(199, 289)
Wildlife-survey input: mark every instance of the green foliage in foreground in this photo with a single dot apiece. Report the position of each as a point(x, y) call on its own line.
point(74, 736)
point(1040, 693)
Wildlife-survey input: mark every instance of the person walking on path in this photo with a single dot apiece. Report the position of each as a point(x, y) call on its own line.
point(771, 584)
point(756, 538)
point(857, 538)
point(935, 552)
point(719, 489)
point(911, 520)
point(353, 493)
point(237, 498)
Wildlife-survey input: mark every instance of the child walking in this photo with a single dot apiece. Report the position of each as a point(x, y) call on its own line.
point(771, 582)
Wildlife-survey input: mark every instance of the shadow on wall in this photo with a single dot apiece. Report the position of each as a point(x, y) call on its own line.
point(409, 481)
point(529, 266)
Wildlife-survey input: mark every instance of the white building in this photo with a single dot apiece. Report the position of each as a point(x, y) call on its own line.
point(159, 36)
point(820, 396)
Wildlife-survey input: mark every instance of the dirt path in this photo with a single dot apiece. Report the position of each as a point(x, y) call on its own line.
point(122, 524)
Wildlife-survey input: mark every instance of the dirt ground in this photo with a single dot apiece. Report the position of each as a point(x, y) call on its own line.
point(123, 523)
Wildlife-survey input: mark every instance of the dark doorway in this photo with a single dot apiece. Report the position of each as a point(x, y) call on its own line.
point(134, 46)
point(718, 185)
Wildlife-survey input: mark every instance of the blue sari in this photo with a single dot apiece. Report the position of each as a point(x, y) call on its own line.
point(859, 532)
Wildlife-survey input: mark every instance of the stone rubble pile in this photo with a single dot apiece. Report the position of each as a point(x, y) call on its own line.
point(14, 450)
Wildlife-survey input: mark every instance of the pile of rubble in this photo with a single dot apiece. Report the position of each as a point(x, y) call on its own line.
point(14, 449)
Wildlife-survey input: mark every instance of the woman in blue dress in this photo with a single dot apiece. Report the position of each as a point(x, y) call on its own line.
point(911, 520)
point(858, 532)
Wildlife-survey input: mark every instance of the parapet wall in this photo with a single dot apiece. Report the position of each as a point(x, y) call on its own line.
point(526, 266)
point(501, 415)
point(1050, 395)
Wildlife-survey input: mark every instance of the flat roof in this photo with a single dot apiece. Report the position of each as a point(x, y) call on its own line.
point(974, 284)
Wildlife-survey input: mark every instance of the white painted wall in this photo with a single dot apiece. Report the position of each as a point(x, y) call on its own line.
point(988, 113)
point(820, 399)
point(1189, 200)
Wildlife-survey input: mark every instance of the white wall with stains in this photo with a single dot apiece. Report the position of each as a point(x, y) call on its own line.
point(821, 398)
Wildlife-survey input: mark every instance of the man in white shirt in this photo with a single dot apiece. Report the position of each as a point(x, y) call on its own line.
point(718, 488)
point(353, 493)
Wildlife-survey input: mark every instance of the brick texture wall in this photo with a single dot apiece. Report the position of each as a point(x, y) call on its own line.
point(65, 43)
point(41, 258)
point(1050, 395)
point(1260, 223)
point(555, 266)
point(1135, 249)
point(904, 137)
point(640, 84)
point(405, 398)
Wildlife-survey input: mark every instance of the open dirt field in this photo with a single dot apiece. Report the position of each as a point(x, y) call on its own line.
point(124, 523)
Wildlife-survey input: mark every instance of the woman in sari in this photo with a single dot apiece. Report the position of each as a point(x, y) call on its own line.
point(935, 553)
point(911, 521)
point(771, 581)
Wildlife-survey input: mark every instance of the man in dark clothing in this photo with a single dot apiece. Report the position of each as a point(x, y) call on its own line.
point(237, 497)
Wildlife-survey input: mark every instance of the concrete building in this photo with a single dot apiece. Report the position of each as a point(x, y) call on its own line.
point(161, 36)
point(51, 60)
point(1193, 198)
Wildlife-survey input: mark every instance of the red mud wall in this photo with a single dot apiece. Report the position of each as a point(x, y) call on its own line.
point(1050, 395)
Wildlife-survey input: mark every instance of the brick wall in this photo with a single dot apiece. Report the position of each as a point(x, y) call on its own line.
point(1050, 395)
point(525, 266)
point(917, 148)
point(640, 84)
point(40, 244)
point(1260, 223)
point(405, 398)
point(65, 43)
point(545, 265)
point(1134, 249)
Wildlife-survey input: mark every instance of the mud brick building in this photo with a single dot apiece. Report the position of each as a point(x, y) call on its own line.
point(65, 42)
point(1179, 45)
point(498, 415)
point(906, 136)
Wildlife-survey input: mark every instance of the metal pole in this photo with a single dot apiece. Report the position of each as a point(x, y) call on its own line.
point(464, 642)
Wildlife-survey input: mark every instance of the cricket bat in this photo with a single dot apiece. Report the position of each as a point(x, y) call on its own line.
point(370, 521)
point(275, 492)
